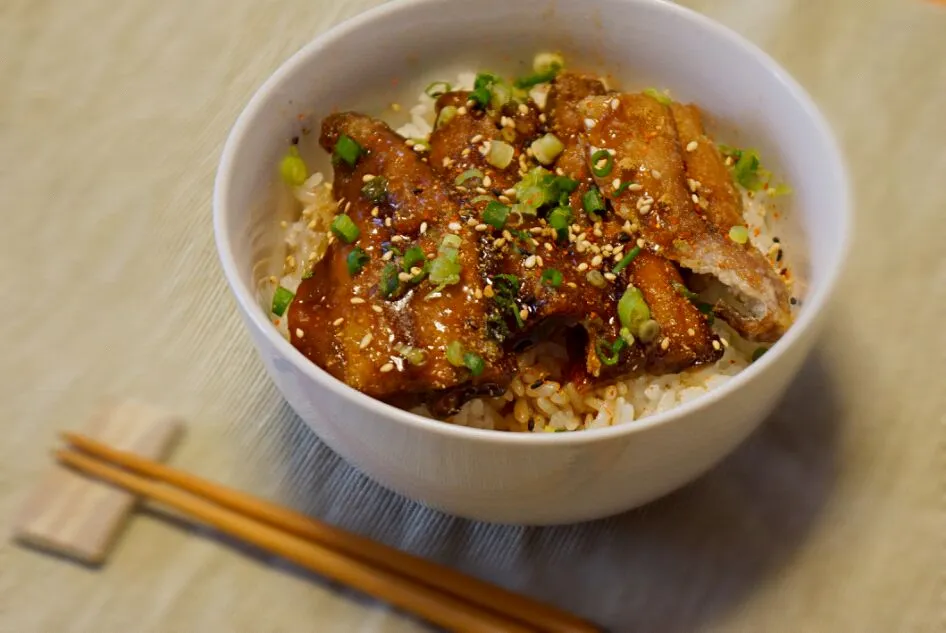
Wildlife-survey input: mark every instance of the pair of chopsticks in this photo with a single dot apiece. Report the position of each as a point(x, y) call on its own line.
point(435, 593)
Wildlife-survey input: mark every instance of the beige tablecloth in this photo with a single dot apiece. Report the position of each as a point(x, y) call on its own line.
point(112, 117)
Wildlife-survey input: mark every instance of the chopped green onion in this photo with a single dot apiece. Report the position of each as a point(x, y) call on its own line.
point(559, 219)
point(437, 88)
point(375, 189)
point(627, 336)
point(524, 83)
point(593, 202)
point(605, 169)
point(543, 62)
point(292, 168)
point(308, 273)
point(626, 260)
point(356, 260)
point(500, 94)
point(347, 150)
point(505, 290)
point(661, 97)
point(446, 113)
point(547, 148)
point(748, 171)
point(482, 198)
point(281, 300)
point(413, 355)
point(596, 279)
point(345, 229)
point(445, 268)
point(739, 234)
point(482, 85)
point(648, 331)
point(552, 278)
point(500, 154)
point(623, 187)
point(509, 134)
point(474, 363)
point(467, 175)
point(632, 309)
point(540, 187)
point(388, 284)
point(683, 291)
point(413, 256)
point(455, 353)
point(757, 354)
point(496, 214)
point(780, 189)
point(564, 184)
point(610, 353)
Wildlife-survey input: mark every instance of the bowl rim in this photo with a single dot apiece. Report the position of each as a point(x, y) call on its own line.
point(813, 307)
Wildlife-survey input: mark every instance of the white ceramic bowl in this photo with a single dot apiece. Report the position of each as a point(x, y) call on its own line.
point(533, 478)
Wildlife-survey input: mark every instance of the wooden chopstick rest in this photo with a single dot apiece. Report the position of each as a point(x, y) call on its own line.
point(79, 517)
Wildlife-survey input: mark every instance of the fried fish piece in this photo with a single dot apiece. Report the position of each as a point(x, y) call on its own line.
point(641, 133)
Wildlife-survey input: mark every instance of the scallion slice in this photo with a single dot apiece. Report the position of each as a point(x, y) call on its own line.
point(292, 168)
point(467, 175)
point(443, 117)
point(496, 214)
point(739, 234)
point(347, 150)
point(474, 363)
point(610, 353)
point(375, 189)
point(413, 256)
point(758, 352)
point(455, 353)
point(437, 88)
point(593, 203)
point(388, 283)
point(281, 300)
point(626, 260)
point(648, 331)
point(633, 310)
point(345, 229)
point(683, 291)
point(602, 170)
point(481, 93)
point(547, 148)
point(500, 154)
point(559, 219)
point(552, 278)
point(356, 260)
point(445, 268)
point(661, 97)
point(623, 187)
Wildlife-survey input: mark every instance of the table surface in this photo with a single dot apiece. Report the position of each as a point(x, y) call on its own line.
point(831, 518)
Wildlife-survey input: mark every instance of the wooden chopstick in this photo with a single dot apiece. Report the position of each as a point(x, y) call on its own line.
point(442, 579)
point(438, 608)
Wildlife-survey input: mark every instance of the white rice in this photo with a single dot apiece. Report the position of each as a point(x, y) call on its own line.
point(549, 405)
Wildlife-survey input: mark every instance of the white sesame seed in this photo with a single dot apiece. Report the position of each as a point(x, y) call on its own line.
point(613, 152)
point(523, 108)
point(716, 345)
point(423, 228)
point(523, 314)
point(596, 260)
point(446, 161)
point(509, 192)
point(694, 185)
point(504, 200)
point(416, 270)
point(635, 187)
point(347, 206)
point(367, 178)
point(338, 321)
point(404, 276)
point(481, 190)
point(614, 104)
point(691, 331)
point(581, 247)
point(388, 221)
point(487, 181)
point(617, 257)
point(640, 242)
point(299, 333)
point(589, 123)
point(655, 174)
point(598, 232)
point(365, 341)
point(616, 183)
point(725, 342)
point(499, 243)
point(385, 368)
point(472, 222)
point(530, 261)
point(481, 227)
point(665, 344)
point(695, 198)
point(377, 309)
point(461, 110)
point(454, 226)
point(548, 246)
point(618, 249)
point(539, 261)
point(408, 141)
point(387, 256)
point(356, 300)
point(420, 148)
point(610, 276)
point(478, 293)
point(542, 117)
point(582, 267)
point(692, 145)
point(464, 153)
point(644, 210)
point(505, 121)
point(476, 139)
point(507, 235)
